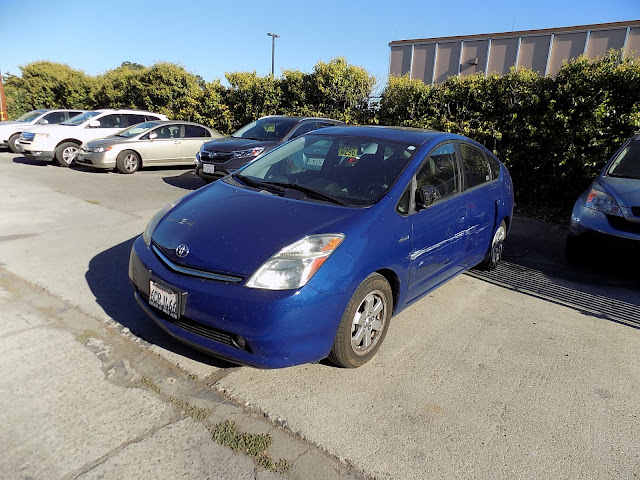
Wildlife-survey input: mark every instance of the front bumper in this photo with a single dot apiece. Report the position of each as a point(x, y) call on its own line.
point(586, 220)
point(280, 328)
point(37, 154)
point(106, 160)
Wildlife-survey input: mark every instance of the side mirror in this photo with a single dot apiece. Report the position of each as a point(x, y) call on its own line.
point(43, 122)
point(94, 124)
point(153, 135)
point(426, 196)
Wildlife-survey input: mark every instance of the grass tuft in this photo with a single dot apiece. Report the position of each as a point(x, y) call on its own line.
point(256, 446)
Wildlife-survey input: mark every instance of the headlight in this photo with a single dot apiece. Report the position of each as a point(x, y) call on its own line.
point(198, 157)
point(253, 152)
point(151, 226)
point(101, 149)
point(604, 203)
point(293, 266)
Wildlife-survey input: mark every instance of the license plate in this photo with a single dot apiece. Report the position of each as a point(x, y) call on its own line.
point(208, 168)
point(164, 299)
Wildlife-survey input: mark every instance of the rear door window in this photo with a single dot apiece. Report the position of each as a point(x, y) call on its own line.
point(476, 166)
point(193, 131)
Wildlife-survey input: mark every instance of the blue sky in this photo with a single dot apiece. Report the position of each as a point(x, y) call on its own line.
point(210, 38)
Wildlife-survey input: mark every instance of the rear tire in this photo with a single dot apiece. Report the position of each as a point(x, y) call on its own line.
point(13, 139)
point(65, 154)
point(494, 254)
point(364, 323)
point(128, 162)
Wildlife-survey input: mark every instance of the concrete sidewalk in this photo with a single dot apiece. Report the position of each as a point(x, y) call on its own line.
point(81, 399)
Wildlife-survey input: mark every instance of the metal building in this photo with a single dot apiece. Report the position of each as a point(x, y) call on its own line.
point(433, 60)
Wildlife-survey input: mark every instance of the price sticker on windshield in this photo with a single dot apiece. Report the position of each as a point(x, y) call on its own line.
point(269, 127)
point(347, 151)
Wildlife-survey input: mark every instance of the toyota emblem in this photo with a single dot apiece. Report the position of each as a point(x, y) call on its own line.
point(182, 250)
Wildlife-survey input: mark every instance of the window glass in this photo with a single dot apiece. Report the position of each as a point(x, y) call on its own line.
point(55, 117)
point(439, 170)
point(73, 113)
point(167, 131)
point(193, 131)
point(137, 130)
point(80, 119)
point(111, 121)
point(131, 119)
point(403, 204)
point(627, 163)
point(305, 128)
point(494, 165)
point(475, 164)
point(30, 116)
point(357, 171)
point(269, 128)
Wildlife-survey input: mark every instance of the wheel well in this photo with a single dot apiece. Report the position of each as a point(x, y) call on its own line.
point(72, 140)
point(394, 283)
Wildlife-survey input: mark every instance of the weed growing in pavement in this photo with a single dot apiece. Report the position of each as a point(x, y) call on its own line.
point(226, 433)
point(194, 412)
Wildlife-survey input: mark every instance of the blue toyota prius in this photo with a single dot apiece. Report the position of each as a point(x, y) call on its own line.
point(309, 251)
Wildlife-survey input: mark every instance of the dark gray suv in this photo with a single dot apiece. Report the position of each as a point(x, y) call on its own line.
point(220, 157)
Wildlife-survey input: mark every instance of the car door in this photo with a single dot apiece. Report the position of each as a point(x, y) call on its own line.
point(438, 230)
point(162, 145)
point(481, 194)
point(193, 136)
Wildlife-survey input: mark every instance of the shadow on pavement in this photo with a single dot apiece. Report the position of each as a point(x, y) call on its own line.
point(108, 280)
point(33, 162)
point(188, 181)
point(604, 286)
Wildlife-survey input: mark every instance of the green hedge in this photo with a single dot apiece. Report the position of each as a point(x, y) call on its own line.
point(552, 133)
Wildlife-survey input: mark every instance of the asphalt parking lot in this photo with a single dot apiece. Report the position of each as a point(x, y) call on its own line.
point(530, 371)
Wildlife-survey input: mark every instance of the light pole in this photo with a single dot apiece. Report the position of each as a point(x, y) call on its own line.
point(273, 50)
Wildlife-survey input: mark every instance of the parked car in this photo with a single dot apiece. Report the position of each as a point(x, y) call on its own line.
point(61, 142)
point(220, 157)
point(609, 210)
point(10, 130)
point(309, 250)
point(150, 143)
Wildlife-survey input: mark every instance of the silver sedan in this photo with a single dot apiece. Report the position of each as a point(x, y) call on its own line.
point(158, 143)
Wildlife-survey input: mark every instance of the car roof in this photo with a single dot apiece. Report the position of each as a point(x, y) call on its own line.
point(174, 122)
point(403, 134)
point(123, 110)
point(305, 118)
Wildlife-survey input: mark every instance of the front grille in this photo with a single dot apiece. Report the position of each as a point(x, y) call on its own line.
point(27, 136)
point(215, 157)
point(635, 211)
point(624, 225)
point(203, 330)
point(196, 328)
point(162, 254)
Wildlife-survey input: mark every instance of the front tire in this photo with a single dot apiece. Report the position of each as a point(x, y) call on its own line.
point(13, 139)
point(128, 162)
point(364, 323)
point(65, 154)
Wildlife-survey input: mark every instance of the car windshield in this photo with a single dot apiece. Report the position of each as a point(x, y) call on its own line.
point(271, 128)
point(627, 163)
point(27, 117)
point(80, 119)
point(346, 170)
point(136, 129)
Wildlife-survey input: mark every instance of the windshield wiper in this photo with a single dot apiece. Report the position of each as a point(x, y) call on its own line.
point(309, 191)
point(256, 184)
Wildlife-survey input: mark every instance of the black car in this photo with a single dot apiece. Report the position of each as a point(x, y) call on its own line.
point(221, 157)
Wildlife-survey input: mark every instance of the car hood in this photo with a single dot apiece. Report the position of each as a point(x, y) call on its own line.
point(51, 128)
point(230, 144)
point(626, 191)
point(233, 230)
point(8, 123)
point(103, 142)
